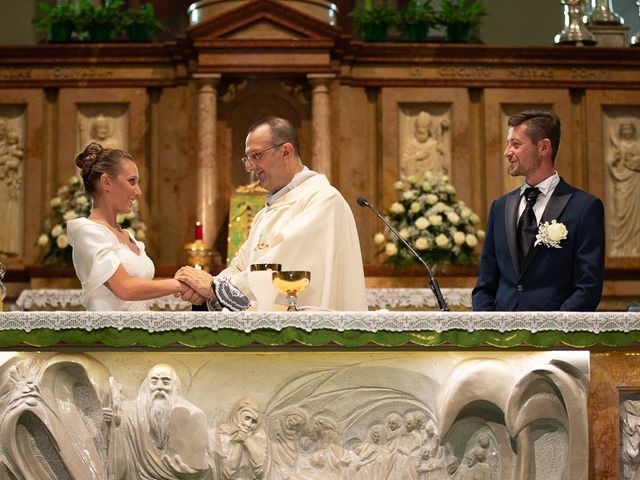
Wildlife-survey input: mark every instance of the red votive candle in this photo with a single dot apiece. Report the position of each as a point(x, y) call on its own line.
point(198, 231)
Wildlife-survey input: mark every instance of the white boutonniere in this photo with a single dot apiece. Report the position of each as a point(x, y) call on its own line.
point(550, 234)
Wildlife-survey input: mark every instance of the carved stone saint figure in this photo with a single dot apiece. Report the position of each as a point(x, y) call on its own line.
point(162, 435)
point(101, 132)
point(285, 432)
point(477, 468)
point(11, 180)
point(630, 455)
point(327, 456)
point(241, 445)
point(425, 150)
point(371, 456)
point(624, 167)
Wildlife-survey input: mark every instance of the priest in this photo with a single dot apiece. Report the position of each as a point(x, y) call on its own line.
point(306, 225)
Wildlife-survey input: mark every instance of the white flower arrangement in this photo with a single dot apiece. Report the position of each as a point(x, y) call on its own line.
point(550, 234)
point(71, 201)
point(428, 216)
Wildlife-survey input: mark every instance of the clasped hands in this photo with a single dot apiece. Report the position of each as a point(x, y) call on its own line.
point(195, 285)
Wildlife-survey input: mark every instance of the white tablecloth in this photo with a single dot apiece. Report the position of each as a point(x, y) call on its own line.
point(372, 321)
point(391, 298)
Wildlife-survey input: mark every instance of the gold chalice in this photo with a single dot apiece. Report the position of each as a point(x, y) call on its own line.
point(259, 267)
point(291, 283)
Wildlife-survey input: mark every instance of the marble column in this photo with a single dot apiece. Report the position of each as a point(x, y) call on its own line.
point(207, 211)
point(321, 122)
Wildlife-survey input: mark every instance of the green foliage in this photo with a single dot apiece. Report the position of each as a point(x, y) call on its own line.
point(373, 14)
point(62, 13)
point(141, 25)
point(416, 13)
point(462, 12)
point(98, 22)
point(108, 15)
point(143, 17)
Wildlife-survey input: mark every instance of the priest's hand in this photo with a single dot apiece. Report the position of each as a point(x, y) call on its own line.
point(198, 280)
point(188, 294)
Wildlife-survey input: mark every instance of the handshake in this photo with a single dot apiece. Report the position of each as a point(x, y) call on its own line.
point(194, 285)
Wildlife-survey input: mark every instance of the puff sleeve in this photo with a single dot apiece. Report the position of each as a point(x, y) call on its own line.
point(94, 254)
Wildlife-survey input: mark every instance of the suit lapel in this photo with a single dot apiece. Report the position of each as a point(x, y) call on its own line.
point(511, 222)
point(561, 196)
point(558, 201)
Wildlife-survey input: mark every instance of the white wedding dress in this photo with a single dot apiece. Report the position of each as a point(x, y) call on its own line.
point(97, 254)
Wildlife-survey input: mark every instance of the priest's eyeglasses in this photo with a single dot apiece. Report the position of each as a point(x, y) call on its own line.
point(255, 156)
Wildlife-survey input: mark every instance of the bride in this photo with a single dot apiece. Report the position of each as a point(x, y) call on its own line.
point(113, 267)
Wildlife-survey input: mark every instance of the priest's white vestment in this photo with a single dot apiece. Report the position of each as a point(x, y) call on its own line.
point(309, 228)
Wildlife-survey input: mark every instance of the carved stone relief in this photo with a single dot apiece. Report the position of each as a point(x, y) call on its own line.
point(306, 416)
point(622, 184)
point(424, 139)
point(630, 435)
point(106, 124)
point(11, 179)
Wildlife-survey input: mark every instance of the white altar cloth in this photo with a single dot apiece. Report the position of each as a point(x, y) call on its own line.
point(373, 321)
point(392, 298)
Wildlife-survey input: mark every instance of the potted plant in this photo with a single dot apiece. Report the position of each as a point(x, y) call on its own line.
point(415, 19)
point(372, 21)
point(141, 25)
point(59, 21)
point(461, 17)
point(100, 22)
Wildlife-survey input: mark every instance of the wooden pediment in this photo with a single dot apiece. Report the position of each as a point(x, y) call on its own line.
point(264, 20)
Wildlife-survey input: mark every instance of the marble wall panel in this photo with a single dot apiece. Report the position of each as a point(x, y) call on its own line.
point(121, 120)
point(614, 172)
point(12, 179)
point(359, 160)
point(172, 173)
point(307, 415)
point(21, 167)
point(615, 378)
point(447, 142)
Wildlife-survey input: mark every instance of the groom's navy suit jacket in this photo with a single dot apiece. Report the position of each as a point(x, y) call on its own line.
point(566, 278)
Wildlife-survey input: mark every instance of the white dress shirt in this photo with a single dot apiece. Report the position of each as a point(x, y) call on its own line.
point(546, 187)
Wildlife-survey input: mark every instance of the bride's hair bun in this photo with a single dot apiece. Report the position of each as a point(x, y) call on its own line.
point(95, 160)
point(88, 157)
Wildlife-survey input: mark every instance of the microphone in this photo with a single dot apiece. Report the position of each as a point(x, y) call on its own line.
point(433, 283)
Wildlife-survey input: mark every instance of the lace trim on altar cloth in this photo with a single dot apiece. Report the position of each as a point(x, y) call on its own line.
point(373, 321)
point(391, 298)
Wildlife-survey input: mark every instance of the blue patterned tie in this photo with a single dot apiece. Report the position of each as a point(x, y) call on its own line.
point(527, 226)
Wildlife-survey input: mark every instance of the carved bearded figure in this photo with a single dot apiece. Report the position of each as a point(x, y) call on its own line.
point(162, 435)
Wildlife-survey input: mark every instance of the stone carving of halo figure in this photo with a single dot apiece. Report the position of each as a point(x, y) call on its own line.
point(101, 131)
point(11, 181)
point(425, 150)
point(623, 160)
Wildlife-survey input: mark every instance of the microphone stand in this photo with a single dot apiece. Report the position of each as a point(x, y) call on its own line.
point(433, 283)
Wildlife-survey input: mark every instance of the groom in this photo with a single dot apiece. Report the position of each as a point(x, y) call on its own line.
point(520, 269)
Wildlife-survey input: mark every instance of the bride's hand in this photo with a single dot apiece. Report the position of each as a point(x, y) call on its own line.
point(198, 280)
point(188, 294)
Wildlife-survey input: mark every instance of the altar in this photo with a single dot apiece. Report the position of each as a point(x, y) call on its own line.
point(518, 394)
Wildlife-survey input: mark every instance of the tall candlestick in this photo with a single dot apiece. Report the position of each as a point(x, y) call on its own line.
point(199, 231)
